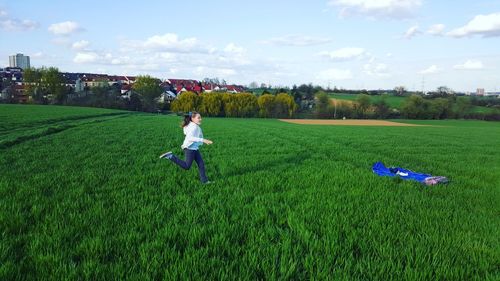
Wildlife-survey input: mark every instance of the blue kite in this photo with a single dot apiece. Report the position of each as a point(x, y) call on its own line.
point(380, 169)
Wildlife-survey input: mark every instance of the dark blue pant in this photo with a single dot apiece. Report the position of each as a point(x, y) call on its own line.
point(186, 165)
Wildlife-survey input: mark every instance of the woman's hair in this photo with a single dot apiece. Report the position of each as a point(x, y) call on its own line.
point(187, 118)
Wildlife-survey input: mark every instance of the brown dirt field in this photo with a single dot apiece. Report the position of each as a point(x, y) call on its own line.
point(347, 122)
point(339, 101)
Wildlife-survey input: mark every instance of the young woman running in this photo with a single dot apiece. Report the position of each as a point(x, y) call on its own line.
point(193, 140)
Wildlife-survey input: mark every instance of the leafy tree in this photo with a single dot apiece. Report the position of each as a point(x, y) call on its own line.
point(464, 106)
point(185, 102)
point(296, 94)
point(10, 93)
point(362, 104)
point(38, 96)
point(135, 102)
point(322, 104)
point(53, 85)
point(149, 89)
point(212, 104)
point(400, 90)
point(105, 96)
point(382, 108)
point(7, 86)
point(285, 106)
point(31, 79)
point(415, 107)
point(440, 108)
point(43, 83)
point(253, 85)
point(266, 105)
point(246, 104)
point(306, 91)
point(443, 90)
point(230, 105)
point(344, 109)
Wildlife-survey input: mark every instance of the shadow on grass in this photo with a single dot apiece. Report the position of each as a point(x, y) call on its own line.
point(50, 131)
point(281, 164)
point(57, 121)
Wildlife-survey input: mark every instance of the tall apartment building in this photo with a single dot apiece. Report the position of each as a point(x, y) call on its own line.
point(19, 60)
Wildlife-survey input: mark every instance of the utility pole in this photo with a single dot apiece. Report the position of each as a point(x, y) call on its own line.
point(335, 111)
point(423, 84)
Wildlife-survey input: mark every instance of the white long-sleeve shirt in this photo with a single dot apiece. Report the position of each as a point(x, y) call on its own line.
point(194, 136)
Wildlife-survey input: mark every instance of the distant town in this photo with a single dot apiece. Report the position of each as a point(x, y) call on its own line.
point(13, 82)
point(82, 82)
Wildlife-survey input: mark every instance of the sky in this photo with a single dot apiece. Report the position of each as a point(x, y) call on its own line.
point(352, 44)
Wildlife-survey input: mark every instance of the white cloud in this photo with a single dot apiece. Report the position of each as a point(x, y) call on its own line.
point(470, 65)
point(184, 55)
point(167, 57)
point(143, 68)
point(17, 25)
point(335, 74)
point(345, 54)
point(38, 55)
point(233, 55)
point(232, 60)
point(120, 60)
point(211, 71)
point(86, 57)
point(172, 55)
point(297, 40)
point(107, 59)
point(430, 70)
point(233, 49)
point(65, 28)
point(396, 9)
point(80, 45)
point(11, 24)
point(485, 25)
point(61, 41)
point(436, 29)
point(168, 42)
point(412, 31)
point(379, 69)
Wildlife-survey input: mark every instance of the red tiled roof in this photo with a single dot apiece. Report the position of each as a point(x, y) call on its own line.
point(184, 82)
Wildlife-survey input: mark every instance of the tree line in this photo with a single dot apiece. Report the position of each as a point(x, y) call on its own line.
point(236, 105)
point(46, 85)
point(413, 107)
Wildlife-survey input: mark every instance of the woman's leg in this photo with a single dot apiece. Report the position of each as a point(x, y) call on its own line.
point(189, 155)
point(201, 166)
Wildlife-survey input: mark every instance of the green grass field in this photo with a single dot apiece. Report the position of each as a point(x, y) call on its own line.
point(393, 101)
point(484, 109)
point(396, 102)
point(83, 196)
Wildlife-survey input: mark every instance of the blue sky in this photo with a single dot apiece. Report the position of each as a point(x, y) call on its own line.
point(355, 44)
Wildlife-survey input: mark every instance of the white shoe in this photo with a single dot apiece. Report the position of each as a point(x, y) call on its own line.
point(167, 155)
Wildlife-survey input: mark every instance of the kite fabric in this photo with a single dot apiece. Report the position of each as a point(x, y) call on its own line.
point(380, 169)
